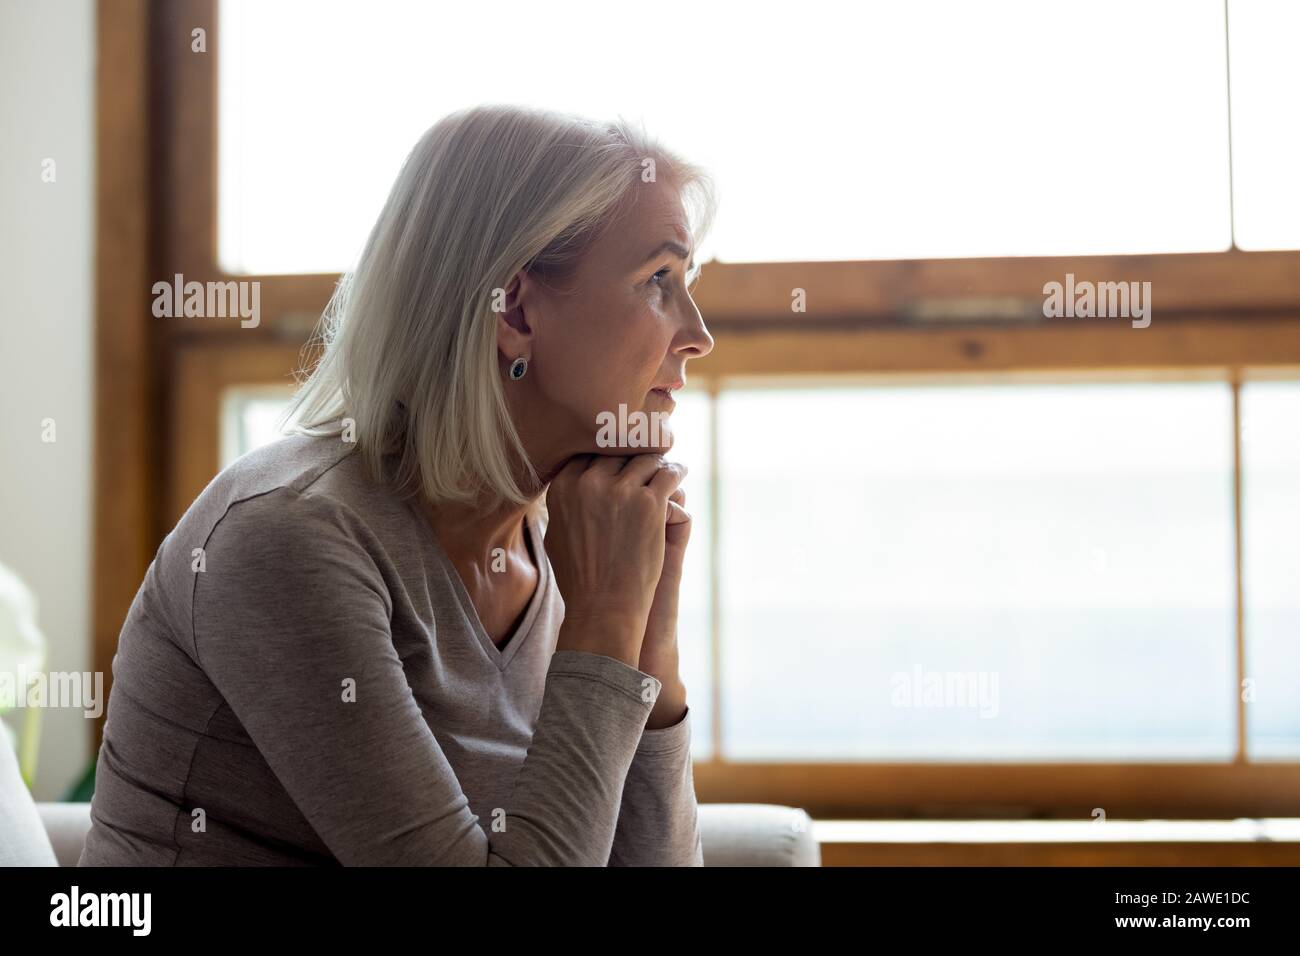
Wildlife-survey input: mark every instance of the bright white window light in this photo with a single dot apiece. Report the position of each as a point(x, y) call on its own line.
point(835, 131)
point(250, 417)
point(1265, 132)
point(1270, 447)
point(691, 423)
point(978, 572)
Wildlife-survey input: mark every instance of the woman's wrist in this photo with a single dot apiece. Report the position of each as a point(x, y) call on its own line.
point(612, 635)
point(670, 707)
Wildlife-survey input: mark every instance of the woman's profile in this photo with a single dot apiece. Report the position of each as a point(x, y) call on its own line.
point(436, 624)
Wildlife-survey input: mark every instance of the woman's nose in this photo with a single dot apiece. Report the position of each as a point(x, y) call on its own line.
point(696, 342)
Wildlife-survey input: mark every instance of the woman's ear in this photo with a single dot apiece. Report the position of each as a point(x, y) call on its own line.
point(511, 307)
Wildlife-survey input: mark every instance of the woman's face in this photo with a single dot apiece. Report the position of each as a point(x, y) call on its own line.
point(618, 333)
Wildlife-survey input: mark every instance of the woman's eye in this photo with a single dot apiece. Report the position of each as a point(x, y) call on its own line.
point(662, 272)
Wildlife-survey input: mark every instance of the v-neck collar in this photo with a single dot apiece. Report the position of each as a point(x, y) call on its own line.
point(501, 658)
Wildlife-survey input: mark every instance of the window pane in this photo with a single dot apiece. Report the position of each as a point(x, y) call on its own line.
point(835, 131)
point(977, 572)
point(1265, 134)
point(249, 418)
point(1271, 525)
point(690, 424)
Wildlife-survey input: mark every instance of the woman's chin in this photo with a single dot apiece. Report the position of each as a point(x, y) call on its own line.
point(664, 446)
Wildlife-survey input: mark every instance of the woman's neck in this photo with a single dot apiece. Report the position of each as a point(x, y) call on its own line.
point(469, 534)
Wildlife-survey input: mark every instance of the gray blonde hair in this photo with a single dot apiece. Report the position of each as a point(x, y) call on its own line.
point(409, 337)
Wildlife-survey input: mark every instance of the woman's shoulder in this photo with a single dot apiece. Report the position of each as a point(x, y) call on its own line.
point(297, 462)
point(290, 489)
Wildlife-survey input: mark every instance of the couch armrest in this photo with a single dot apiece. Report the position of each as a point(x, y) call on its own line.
point(757, 834)
point(731, 834)
point(66, 824)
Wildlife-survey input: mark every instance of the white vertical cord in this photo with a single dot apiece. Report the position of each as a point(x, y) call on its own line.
point(1227, 65)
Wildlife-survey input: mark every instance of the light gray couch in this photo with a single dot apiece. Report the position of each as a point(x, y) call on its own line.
point(733, 834)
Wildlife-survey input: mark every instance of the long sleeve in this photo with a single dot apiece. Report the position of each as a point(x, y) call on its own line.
point(291, 623)
point(658, 822)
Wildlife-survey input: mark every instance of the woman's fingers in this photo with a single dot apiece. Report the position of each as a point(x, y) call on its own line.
point(677, 514)
point(606, 543)
point(571, 470)
point(607, 465)
point(667, 478)
point(640, 469)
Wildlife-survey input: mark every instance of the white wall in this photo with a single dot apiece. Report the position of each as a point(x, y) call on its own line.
point(47, 97)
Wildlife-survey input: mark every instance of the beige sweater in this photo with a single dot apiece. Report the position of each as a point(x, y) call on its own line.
point(303, 680)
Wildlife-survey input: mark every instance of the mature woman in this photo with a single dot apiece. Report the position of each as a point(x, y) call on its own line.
point(368, 643)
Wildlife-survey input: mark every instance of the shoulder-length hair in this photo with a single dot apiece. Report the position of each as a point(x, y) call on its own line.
point(409, 337)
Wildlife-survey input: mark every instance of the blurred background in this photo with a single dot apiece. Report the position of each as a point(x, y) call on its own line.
point(954, 558)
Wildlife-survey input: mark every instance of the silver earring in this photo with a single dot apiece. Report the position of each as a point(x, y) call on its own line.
point(517, 368)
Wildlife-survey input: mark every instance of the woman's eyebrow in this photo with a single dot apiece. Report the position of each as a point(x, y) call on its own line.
point(674, 247)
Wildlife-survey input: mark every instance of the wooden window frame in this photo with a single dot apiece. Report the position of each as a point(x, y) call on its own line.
point(159, 386)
